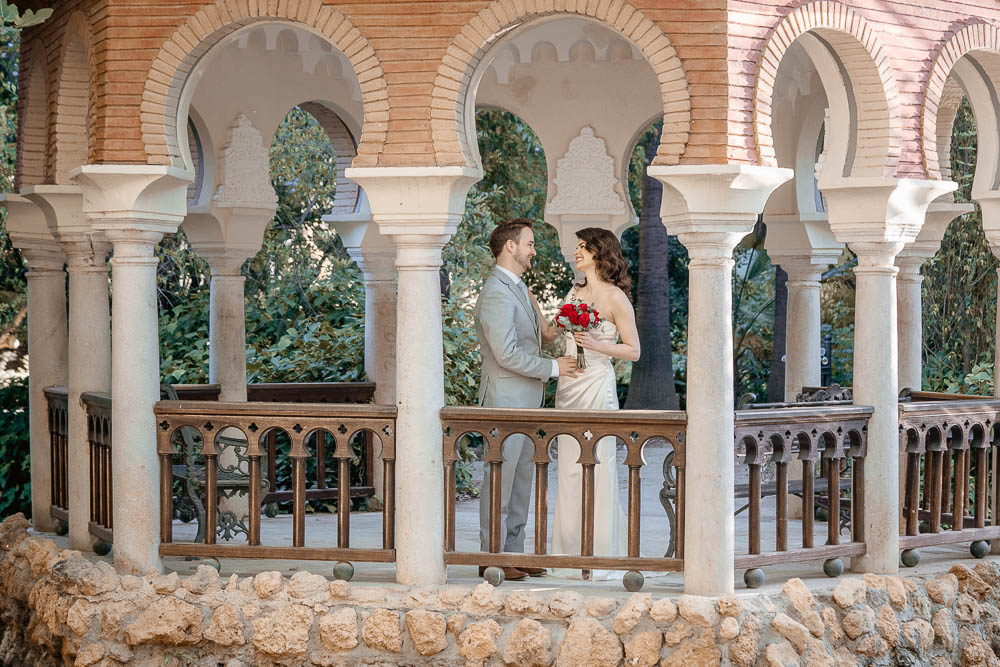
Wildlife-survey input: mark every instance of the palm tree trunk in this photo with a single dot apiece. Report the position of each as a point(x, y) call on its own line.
point(652, 386)
point(776, 382)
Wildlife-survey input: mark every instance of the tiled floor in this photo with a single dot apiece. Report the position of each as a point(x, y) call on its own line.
point(366, 531)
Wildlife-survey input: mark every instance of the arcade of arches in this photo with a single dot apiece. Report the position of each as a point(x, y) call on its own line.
point(831, 118)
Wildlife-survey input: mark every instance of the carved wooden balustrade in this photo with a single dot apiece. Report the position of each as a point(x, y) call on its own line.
point(951, 492)
point(58, 404)
point(302, 423)
point(99, 439)
point(779, 436)
point(632, 427)
point(300, 392)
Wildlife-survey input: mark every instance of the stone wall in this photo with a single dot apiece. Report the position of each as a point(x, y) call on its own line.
point(56, 606)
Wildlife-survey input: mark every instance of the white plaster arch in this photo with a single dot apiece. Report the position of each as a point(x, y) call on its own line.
point(849, 57)
point(182, 62)
point(977, 42)
point(471, 53)
point(547, 78)
point(973, 76)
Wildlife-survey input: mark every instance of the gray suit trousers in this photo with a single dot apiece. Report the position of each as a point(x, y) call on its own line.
point(515, 495)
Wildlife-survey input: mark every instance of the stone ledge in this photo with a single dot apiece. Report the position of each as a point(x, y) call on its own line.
point(57, 606)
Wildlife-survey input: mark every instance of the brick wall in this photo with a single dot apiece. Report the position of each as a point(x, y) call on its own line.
point(911, 34)
point(401, 48)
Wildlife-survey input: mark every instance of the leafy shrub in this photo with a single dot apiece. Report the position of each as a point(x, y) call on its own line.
point(15, 468)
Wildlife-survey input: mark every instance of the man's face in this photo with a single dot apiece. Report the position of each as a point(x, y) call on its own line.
point(524, 249)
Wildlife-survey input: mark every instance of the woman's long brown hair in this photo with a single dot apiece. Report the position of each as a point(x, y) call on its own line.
point(611, 265)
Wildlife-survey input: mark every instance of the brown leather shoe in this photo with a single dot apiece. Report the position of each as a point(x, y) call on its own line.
point(534, 571)
point(509, 573)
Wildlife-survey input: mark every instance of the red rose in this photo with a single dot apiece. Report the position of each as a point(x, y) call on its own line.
point(574, 317)
point(583, 307)
point(585, 320)
point(566, 309)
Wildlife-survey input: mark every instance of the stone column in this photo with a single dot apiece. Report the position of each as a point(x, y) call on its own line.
point(29, 233)
point(375, 256)
point(710, 208)
point(802, 325)
point(804, 247)
point(418, 208)
point(227, 359)
point(989, 203)
point(134, 205)
point(876, 218)
point(89, 353)
point(909, 302)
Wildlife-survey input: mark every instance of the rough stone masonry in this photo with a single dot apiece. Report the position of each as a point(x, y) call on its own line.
point(57, 607)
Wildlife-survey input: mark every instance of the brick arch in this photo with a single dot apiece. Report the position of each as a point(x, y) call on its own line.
point(206, 28)
point(69, 141)
point(974, 37)
point(864, 59)
point(347, 193)
point(468, 48)
point(33, 128)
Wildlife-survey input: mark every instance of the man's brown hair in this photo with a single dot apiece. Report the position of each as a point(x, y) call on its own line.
point(507, 231)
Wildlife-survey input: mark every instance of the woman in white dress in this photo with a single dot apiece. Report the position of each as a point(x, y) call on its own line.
point(605, 288)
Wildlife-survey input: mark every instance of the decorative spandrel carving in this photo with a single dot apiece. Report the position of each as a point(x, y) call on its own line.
point(585, 178)
point(244, 168)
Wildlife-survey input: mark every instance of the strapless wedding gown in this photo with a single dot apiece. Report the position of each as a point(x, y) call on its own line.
point(593, 389)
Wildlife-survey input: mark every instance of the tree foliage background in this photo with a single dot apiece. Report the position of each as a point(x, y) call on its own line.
point(305, 298)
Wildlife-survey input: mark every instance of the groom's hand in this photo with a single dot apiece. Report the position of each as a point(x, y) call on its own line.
point(567, 367)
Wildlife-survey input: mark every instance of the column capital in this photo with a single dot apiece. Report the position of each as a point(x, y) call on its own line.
point(803, 246)
point(989, 203)
point(145, 198)
point(710, 205)
point(880, 210)
point(373, 252)
point(802, 269)
point(928, 241)
point(29, 233)
point(408, 201)
point(228, 234)
point(876, 257)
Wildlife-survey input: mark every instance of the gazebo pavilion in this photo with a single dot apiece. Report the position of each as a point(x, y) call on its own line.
point(832, 119)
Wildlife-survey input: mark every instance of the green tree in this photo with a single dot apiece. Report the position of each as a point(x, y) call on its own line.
point(959, 288)
point(651, 384)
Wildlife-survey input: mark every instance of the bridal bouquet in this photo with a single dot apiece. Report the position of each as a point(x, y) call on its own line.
point(577, 317)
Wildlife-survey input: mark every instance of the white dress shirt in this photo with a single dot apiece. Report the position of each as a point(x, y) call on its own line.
point(520, 284)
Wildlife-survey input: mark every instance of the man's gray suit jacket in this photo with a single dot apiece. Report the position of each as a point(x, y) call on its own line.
point(514, 370)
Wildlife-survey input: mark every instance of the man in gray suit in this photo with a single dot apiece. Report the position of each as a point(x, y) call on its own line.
point(514, 376)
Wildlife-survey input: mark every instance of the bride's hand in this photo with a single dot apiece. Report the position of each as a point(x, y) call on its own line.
point(586, 340)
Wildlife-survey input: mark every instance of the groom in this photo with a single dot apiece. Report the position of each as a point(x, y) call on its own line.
point(514, 376)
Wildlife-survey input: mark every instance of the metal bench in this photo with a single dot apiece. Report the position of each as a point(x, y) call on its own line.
point(232, 480)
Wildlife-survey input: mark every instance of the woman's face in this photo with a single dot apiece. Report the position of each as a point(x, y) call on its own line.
point(584, 258)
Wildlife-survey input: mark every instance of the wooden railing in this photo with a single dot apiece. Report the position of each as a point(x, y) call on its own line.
point(98, 408)
point(632, 427)
point(300, 392)
point(835, 434)
point(286, 392)
point(302, 423)
point(58, 404)
point(952, 484)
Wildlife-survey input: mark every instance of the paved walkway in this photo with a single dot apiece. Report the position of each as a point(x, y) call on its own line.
point(366, 532)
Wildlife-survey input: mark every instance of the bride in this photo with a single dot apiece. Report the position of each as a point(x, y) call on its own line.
point(605, 288)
